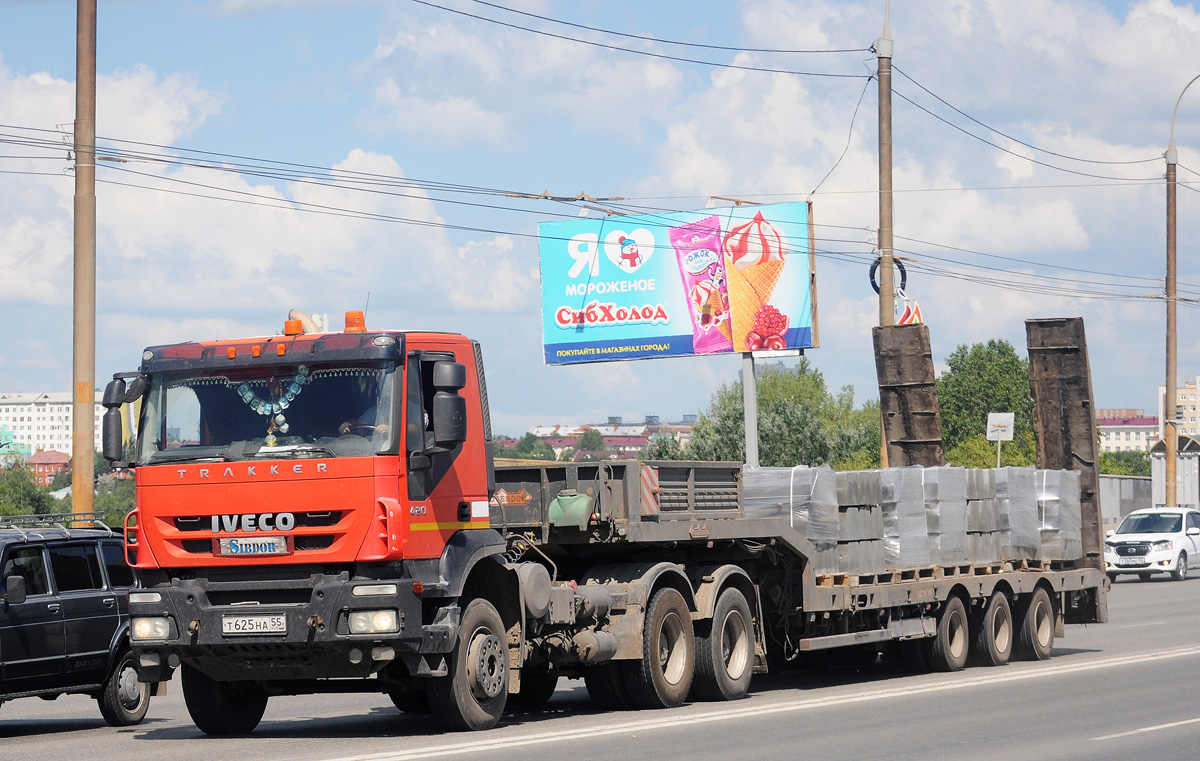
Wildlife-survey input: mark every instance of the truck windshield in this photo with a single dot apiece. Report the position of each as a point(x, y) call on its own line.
point(283, 411)
point(1151, 523)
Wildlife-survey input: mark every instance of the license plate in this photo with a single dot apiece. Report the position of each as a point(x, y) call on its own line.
point(242, 546)
point(262, 624)
point(1131, 561)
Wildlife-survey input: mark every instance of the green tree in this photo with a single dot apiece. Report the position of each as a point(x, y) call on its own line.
point(977, 452)
point(530, 447)
point(115, 498)
point(19, 495)
point(983, 378)
point(663, 446)
point(1125, 463)
point(590, 441)
point(799, 422)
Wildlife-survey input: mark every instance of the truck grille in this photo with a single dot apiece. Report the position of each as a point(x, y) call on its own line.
point(192, 527)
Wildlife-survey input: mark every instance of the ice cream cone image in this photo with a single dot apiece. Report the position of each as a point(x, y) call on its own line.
point(755, 255)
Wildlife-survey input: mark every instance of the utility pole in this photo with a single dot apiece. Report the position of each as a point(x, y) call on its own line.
point(887, 294)
point(83, 407)
point(1170, 402)
point(883, 54)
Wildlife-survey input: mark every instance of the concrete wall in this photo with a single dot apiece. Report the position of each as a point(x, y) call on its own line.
point(1121, 495)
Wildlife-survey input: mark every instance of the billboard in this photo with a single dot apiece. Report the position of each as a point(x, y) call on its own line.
point(677, 284)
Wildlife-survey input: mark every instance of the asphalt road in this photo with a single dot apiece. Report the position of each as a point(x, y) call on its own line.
point(1125, 690)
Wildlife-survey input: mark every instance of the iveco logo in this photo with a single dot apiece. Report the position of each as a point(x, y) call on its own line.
point(260, 522)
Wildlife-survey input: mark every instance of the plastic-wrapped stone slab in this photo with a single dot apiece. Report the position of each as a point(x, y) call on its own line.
point(905, 532)
point(826, 557)
point(1058, 511)
point(807, 495)
point(859, 487)
point(860, 522)
point(863, 558)
point(945, 491)
point(987, 547)
point(1017, 497)
point(983, 515)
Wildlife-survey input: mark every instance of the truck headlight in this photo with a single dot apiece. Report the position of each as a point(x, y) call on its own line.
point(374, 622)
point(1164, 545)
point(157, 627)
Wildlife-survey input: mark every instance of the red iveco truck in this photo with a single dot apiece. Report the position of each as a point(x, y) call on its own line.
point(320, 512)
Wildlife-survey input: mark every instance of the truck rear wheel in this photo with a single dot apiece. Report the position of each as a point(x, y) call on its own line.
point(663, 676)
point(992, 642)
point(473, 694)
point(1035, 632)
point(725, 650)
point(606, 687)
point(222, 708)
point(950, 647)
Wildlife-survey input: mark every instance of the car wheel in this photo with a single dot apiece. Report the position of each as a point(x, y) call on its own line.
point(1144, 576)
point(123, 699)
point(1181, 567)
point(1112, 577)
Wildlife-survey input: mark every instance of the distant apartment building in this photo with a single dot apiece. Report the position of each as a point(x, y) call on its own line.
point(621, 440)
point(42, 421)
point(1186, 402)
point(45, 465)
point(1126, 430)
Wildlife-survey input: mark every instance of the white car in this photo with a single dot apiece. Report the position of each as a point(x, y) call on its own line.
point(1154, 540)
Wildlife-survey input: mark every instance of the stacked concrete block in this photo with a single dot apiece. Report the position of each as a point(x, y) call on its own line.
point(905, 532)
point(945, 491)
point(987, 523)
point(1059, 513)
point(807, 496)
point(860, 522)
point(1016, 493)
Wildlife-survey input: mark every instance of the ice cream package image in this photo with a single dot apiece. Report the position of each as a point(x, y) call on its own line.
point(754, 255)
point(698, 250)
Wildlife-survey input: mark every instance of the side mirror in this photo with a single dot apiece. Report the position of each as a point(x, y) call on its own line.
point(1109, 533)
point(449, 376)
point(1193, 531)
point(16, 590)
point(111, 435)
point(449, 419)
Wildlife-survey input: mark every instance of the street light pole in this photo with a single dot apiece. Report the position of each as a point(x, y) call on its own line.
point(1170, 403)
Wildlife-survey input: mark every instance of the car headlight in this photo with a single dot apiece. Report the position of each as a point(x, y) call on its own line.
point(374, 622)
point(157, 627)
point(1110, 548)
point(1164, 545)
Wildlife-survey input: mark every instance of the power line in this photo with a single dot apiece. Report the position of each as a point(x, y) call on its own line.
point(849, 137)
point(965, 115)
point(634, 51)
point(659, 39)
point(999, 147)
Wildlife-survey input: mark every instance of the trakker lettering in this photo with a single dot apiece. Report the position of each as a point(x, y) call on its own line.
point(247, 523)
point(252, 470)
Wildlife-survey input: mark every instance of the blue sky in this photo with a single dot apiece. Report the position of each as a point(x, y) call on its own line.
point(407, 90)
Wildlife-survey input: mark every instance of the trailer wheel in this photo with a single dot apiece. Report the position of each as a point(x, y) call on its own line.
point(472, 695)
point(992, 643)
point(1035, 632)
point(222, 708)
point(725, 650)
point(537, 687)
point(606, 687)
point(950, 647)
point(663, 676)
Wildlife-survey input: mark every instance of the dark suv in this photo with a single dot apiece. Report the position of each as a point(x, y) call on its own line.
point(64, 615)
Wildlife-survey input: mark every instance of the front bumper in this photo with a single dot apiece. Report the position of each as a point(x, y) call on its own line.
point(316, 642)
point(1157, 561)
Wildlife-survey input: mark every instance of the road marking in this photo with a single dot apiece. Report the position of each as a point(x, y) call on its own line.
point(1012, 673)
point(1134, 626)
point(1155, 728)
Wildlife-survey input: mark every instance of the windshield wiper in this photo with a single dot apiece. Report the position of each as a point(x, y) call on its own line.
point(291, 450)
point(155, 459)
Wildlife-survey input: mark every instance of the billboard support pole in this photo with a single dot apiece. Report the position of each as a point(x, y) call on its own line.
point(750, 404)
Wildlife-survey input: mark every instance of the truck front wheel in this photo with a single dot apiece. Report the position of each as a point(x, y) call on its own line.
point(663, 676)
point(473, 694)
point(725, 650)
point(222, 708)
